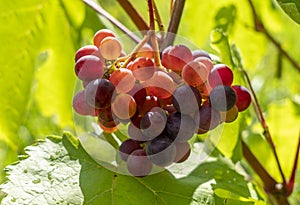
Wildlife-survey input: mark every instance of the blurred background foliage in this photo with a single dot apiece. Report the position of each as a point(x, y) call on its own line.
point(37, 81)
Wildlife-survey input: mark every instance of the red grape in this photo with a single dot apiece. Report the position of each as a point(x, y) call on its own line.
point(178, 56)
point(124, 106)
point(123, 80)
point(81, 106)
point(160, 85)
point(243, 97)
point(89, 68)
point(87, 50)
point(220, 75)
point(206, 61)
point(194, 73)
point(101, 34)
point(148, 103)
point(142, 68)
point(110, 48)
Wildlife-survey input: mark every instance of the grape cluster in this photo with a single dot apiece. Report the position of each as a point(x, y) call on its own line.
point(163, 102)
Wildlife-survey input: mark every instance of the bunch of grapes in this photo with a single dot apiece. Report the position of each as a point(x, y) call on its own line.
point(163, 102)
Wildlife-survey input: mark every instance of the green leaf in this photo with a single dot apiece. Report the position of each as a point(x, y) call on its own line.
point(292, 8)
point(57, 172)
point(46, 176)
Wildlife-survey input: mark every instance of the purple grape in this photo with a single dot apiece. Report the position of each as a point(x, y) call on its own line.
point(127, 147)
point(138, 163)
point(180, 127)
point(153, 123)
point(222, 98)
point(98, 93)
point(161, 150)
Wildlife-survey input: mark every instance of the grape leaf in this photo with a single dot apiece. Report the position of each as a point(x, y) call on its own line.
point(292, 8)
point(45, 176)
point(59, 171)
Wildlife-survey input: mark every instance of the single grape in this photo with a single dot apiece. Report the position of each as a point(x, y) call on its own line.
point(178, 56)
point(110, 48)
point(183, 151)
point(206, 61)
point(186, 99)
point(81, 106)
point(180, 127)
point(207, 118)
point(89, 68)
point(124, 106)
point(160, 85)
point(123, 80)
point(148, 103)
point(142, 68)
point(230, 115)
point(200, 53)
point(127, 147)
point(243, 97)
point(153, 123)
point(194, 73)
point(136, 133)
point(139, 93)
point(138, 163)
point(98, 93)
point(222, 98)
point(101, 34)
point(161, 150)
point(220, 75)
point(87, 50)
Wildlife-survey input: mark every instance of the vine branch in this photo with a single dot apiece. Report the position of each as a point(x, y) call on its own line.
point(174, 23)
point(262, 120)
point(96, 7)
point(260, 27)
point(134, 15)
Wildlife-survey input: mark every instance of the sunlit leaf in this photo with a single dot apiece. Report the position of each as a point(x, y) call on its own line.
point(292, 8)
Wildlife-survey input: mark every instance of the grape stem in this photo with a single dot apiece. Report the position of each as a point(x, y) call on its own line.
point(153, 36)
point(173, 26)
point(96, 7)
point(260, 27)
point(134, 15)
point(161, 26)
